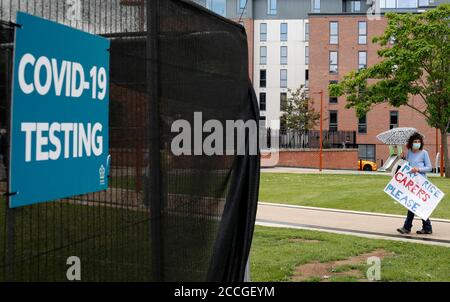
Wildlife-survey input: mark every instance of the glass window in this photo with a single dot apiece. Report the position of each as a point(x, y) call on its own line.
point(362, 124)
point(387, 3)
point(333, 120)
point(366, 152)
point(271, 7)
point(424, 2)
point(263, 32)
point(262, 55)
point(406, 3)
point(316, 6)
point(262, 78)
point(283, 55)
point(362, 32)
point(334, 32)
point(393, 119)
point(217, 6)
point(306, 55)
point(355, 6)
point(306, 78)
point(306, 31)
point(333, 61)
point(241, 6)
point(333, 99)
point(283, 100)
point(283, 78)
point(262, 101)
point(362, 59)
point(283, 31)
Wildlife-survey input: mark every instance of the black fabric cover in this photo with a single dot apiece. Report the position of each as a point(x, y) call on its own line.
point(204, 68)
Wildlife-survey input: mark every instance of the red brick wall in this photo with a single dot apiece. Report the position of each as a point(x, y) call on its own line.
point(248, 24)
point(348, 47)
point(332, 159)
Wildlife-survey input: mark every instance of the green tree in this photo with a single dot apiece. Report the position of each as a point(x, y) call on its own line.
point(298, 111)
point(415, 52)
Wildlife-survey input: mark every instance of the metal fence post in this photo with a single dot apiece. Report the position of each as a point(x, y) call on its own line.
point(9, 213)
point(155, 196)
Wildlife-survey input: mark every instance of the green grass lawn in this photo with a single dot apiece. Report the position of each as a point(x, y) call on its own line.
point(347, 192)
point(276, 252)
point(114, 246)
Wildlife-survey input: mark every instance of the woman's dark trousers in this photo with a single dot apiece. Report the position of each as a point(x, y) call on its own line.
point(426, 224)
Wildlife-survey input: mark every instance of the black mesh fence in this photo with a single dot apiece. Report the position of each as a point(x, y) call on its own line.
point(163, 217)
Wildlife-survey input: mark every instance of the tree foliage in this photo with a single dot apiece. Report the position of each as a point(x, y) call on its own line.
point(298, 111)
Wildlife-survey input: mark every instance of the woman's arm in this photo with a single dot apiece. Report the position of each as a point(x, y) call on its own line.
point(427, 162)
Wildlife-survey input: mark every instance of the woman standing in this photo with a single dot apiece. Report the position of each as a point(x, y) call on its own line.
point(420, 161)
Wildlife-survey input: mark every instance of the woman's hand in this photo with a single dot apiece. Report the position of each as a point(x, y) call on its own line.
point(415, 170)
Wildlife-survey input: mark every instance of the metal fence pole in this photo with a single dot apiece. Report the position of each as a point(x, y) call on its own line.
point(154, 150)
point(9, 213)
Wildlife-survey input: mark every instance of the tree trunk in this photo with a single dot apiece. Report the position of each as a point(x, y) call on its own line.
point(446, 159)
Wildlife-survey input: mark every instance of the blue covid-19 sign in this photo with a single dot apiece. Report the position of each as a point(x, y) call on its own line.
point(59, 112)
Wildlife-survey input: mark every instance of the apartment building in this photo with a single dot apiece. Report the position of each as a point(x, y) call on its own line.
point(315, 43)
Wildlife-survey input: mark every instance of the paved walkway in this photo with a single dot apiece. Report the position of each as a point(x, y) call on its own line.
point(325, 171)
point(371, 225)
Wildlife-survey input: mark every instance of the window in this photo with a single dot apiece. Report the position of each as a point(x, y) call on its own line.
point(316, 6)
point(306, 31)
point(362, 32)
point(406, 3)
point(241, 6)
point(283, 100)
point(387, 3)
point(362, 59)
point(306, 78)
point(283, 55)
point(424, 2)
point(333, 61)
point(283, 78)
point(402, 3)
point(262, 101)
point(263, 55)
point(306, 55)
point(366, 152)
point(217, 6)
point(262, 78)
point(333, 120)
point(263, 32)
point(355, 6)
point(271, 7)
point(362, 124)
point(393, 119)
point(283, 31)
point(333, 99)
point(334, 32)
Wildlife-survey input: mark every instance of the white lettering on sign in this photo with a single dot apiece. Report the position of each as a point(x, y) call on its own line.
point(50, 73)
point(79, 140)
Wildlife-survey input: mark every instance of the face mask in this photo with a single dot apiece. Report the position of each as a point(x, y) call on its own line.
point(416, 146)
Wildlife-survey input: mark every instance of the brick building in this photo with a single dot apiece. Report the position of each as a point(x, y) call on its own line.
point(340, 43)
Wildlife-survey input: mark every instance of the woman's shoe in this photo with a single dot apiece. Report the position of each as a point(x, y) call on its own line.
point(403, 231)
point(422, 232)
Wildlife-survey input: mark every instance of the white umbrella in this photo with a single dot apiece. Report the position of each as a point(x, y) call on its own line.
point(396, 136)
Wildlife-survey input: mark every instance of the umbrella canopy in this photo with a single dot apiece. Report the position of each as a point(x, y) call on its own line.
point(396, 136)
